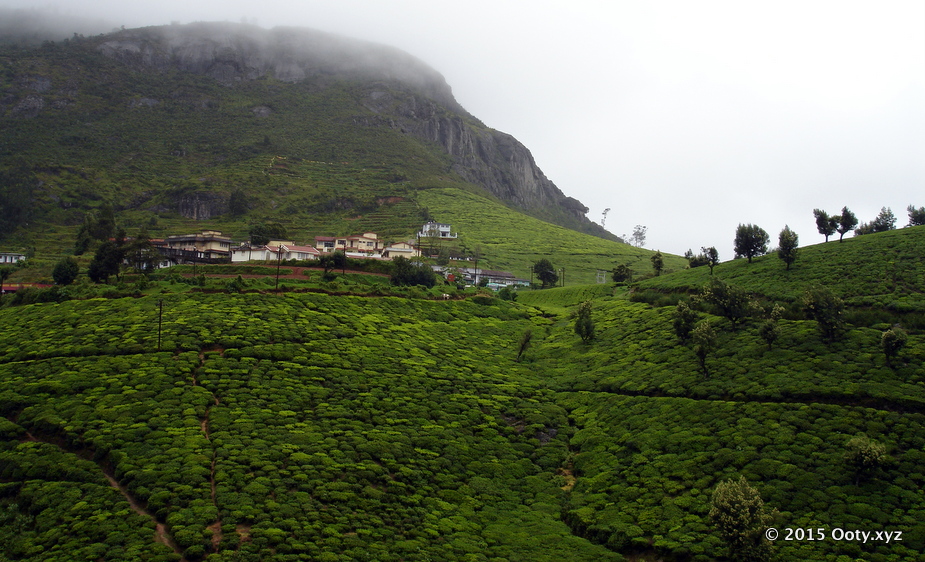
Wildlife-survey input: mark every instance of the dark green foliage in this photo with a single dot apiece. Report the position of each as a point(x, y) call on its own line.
point(892, 341)
point(141, 255)
point(261, 234)
point(846, 222)
point(524, 343)
point(730, 300)
point(584, 324)
point(740, 516)
point(17, 185)
point(5, 272)
point(65, 271)
point(769, 329)
point(704, 339)
point(916, 216)
point(658, 263)
point(622, 274)
point(684, 320)
point(337, 260)
point(406, 273)
point(696, 261)
point(750, 241)
point(237, 203)
point(827, 310)
point(864, 456)
point(106, 261)
point(302, 426)
point(884, 222)
point(507, 293)
point(825, 224)
point(103, 225)
point(546, 273)
point(788, 241)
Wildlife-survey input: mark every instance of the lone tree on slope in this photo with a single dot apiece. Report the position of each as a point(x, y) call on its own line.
point(751, 240)
point(825, 224)
point(712, 257)
point(546, 273)
point(741, 517)
point(846, 222)
point(787, 244)
point(584, 325)
point(658, 263)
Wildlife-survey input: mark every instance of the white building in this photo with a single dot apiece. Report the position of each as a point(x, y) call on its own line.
point(11, 257)
point(437, 230)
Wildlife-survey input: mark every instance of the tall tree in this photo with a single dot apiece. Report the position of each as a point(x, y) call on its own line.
point(546, 273)
point(704, 339)
point(639, 235)
point(846, 222)
point(916, 216)
point(106, 261)
point(751, 240)
point(658, 263)
point(885, 221)
point(741, 517)
point(584, 325)
point(787, 243)
point(712, 257)
point(825, 224)
point(683, 320)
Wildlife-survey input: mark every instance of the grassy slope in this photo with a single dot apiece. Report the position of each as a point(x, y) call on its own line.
point(513, 241)
point(881, 270)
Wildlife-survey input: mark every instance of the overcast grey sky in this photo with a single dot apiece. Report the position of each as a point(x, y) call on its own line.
point(687, 117)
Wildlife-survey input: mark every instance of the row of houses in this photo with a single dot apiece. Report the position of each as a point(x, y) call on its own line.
point(211, 246)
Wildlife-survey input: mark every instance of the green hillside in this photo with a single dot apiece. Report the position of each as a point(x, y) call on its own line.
point(168, 149)
point(334, 427)
point(882, 270)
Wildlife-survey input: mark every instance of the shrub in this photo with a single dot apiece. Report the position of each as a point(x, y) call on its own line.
point(827, 310)
point(892, 341)
point(65, 271)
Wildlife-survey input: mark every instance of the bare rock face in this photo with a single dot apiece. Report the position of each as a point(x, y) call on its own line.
point(201, 205)
point(403, 93)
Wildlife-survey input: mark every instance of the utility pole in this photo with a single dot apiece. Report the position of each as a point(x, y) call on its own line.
point(160, 318)
point(279, 260)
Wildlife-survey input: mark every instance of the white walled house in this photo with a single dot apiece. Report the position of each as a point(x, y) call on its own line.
point(437, 230)
point(11, 257)
point(269, 253)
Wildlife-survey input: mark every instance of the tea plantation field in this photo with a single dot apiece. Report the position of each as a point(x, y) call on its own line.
point(310, 426)
point(270, 427)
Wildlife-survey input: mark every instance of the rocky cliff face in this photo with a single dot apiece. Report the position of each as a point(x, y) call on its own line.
point(404, 94)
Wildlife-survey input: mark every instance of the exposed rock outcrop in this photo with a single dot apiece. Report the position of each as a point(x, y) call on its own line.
point(201, 205)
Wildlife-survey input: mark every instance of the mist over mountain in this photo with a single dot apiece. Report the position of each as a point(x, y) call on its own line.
point(386, 92)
